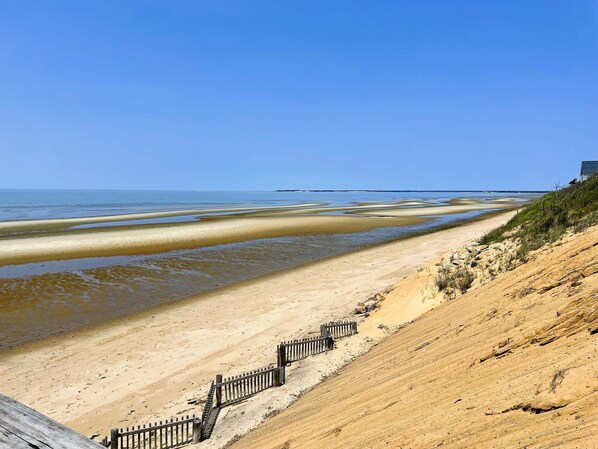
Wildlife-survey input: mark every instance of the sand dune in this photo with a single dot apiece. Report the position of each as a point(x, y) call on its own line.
point(510, 364)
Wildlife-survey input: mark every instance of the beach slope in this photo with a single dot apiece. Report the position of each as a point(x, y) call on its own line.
point(511, 363)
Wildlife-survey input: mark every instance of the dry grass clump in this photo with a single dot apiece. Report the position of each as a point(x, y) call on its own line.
point(457, 279)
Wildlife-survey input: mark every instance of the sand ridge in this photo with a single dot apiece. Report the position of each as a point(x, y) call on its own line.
point(432, 210)
point(154, 239)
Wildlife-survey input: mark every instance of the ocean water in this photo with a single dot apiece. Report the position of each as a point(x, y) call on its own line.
point(38, 300)
point(47, 204)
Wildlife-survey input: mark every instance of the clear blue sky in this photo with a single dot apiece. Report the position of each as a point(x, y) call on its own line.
point(251, 95)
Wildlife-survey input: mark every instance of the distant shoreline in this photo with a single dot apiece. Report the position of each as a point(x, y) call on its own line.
point(410, 191)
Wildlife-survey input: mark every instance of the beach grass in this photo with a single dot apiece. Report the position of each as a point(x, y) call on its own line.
point(574, 207)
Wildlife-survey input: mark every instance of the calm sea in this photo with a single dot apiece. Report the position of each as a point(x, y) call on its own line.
point(43, 204)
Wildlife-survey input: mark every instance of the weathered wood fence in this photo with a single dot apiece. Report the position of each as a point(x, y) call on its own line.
point(168, 434)
point(210, 415)
point(291, 351)
point(339, 329)
point(228, 391)
point(235, 389)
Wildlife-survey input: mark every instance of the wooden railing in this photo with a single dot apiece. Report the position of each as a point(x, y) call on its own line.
point(168, 434)
point(238, 388)
point(339, 329)
point(291, 351)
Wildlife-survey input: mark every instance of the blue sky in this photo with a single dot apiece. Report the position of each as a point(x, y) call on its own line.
point(259, 95)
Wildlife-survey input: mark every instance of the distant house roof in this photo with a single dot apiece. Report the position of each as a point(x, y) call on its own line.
point(588, 168)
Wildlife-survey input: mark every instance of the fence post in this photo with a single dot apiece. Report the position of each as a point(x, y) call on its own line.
point(281, 355)
point(218, 390)
point(114, 439)
point(330, 342)
point(276, 373)
point(323, 330)
point(281, 375)
point(354, 326)
point(196, 430)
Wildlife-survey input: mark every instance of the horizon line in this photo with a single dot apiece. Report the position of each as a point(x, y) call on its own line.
point(284, 190)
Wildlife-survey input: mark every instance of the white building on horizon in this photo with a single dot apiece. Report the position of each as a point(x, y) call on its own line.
point(588, 168)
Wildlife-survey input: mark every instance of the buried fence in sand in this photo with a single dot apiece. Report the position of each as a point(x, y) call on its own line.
point(225, 392)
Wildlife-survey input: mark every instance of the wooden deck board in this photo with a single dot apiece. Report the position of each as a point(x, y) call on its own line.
point(23, 428)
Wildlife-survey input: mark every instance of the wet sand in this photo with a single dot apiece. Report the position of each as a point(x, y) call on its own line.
point(465, 206)
point(59, 239)
point(155, 239)
point(9, 227)
point(155, 364)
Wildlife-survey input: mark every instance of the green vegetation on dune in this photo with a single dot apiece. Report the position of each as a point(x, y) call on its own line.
point(548, 218)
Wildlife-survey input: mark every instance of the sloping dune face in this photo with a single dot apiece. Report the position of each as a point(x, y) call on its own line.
point(510, 364)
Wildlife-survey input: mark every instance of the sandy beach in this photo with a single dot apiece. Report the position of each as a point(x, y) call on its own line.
point(158, 363)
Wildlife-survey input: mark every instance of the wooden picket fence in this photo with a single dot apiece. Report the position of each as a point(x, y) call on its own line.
point(238, 388)
point(291, 351)
point(168, 434)
point(225, 392)
point(209, 415)
point(339, 329)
